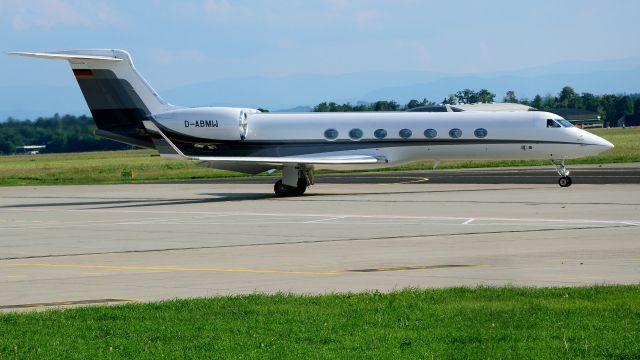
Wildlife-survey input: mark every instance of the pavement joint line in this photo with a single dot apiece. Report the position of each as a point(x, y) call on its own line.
point(239, 270)
point(325, 220)
point(319, 241)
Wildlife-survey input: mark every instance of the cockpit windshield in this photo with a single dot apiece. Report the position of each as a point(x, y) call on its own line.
point(565, 123)
point(556, 123)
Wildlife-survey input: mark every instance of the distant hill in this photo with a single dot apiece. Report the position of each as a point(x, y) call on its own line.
point(287, 92)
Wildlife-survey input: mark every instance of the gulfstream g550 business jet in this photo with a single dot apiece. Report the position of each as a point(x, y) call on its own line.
point(126, 109)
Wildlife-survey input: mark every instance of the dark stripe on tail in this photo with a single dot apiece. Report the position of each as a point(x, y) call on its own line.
point(116, 108)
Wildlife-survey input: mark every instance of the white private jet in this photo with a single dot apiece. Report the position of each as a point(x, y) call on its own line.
point(126, 109)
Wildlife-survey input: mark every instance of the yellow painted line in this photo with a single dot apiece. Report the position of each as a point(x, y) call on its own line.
point(418, 180)
point(176, 268)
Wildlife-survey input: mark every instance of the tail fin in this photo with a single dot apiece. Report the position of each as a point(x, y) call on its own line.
point(118, 97)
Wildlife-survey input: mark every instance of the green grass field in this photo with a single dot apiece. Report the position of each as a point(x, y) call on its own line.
point(108, 167)
point(457, 323)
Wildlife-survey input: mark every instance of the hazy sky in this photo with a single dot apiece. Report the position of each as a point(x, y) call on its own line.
point(181, 42)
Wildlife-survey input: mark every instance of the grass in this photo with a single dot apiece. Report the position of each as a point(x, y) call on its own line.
point(484, 322)
point(108, 167)
point(99, 167)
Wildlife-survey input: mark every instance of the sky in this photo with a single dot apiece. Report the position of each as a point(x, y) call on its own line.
point(175, 43)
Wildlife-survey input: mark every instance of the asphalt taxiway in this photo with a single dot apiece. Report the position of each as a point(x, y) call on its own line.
point(137, 242)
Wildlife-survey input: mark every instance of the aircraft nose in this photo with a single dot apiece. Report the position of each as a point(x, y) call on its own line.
point(605, 143)
point(601, 144)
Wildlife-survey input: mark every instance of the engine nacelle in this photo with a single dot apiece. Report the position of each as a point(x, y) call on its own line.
point(214, 123)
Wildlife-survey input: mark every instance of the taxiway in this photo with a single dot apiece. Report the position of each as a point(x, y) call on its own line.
point(140, 242)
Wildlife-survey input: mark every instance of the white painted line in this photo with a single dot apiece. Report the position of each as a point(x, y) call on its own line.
point(468, 222)
point(329, 219)
point(459, 218)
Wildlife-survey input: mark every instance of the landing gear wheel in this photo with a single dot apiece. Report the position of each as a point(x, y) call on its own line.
point(565, 181)
point(301, 187)
point(281, 189)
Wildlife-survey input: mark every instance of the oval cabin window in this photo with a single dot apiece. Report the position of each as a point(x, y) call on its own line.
point(331, 134)
point(455, 133)
point(355, 134)
point(380, 133)
point(405, 133)
point(480, 133)
point(430, 133)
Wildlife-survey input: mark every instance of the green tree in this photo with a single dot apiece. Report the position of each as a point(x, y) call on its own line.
point(537, 102)
point(385, 106)
point(524, 101)
point(589, 102)
point(624, 106)
point(412, 104)
point(467, 96)
point(510, 97)
point(415, 103)
point(567, 97)
point(322, 107)
point(451, 100)
point(485, 96)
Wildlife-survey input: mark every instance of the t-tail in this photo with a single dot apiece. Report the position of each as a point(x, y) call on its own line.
point(118, 97)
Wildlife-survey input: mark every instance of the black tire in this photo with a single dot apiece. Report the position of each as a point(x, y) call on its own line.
point(565, 181)
point(281, 189)
point(301, 187)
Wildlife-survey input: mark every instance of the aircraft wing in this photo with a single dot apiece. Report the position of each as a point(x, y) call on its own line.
point(169, 150)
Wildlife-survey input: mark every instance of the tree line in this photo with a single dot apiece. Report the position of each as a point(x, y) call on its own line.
point(610, 107)
point(66, 133)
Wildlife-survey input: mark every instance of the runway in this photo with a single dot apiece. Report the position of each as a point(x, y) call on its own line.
point(139, 242)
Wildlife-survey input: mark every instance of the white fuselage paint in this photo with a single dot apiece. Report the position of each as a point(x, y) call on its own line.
point(510, 135)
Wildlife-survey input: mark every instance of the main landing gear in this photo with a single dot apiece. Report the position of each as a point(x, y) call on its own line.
point(565, 179)
point(294, 182)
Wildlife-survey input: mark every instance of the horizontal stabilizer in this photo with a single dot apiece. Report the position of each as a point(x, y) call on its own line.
point(64, 56)
point(172, 151)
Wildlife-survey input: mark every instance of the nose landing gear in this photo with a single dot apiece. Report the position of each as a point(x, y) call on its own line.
point(294, 182)
point(565, 179)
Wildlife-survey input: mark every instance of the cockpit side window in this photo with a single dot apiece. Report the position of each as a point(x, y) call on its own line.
point(552, 124)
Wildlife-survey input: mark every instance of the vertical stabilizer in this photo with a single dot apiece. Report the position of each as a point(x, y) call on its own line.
point(118, 97)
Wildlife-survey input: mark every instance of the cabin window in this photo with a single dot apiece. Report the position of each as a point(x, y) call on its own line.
point(480, 133)
point(455, 133)
point(355, 134)
point(430, 133)
point(405, 133)
point(552, 124)
point(331, 134)
point(380, 133)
